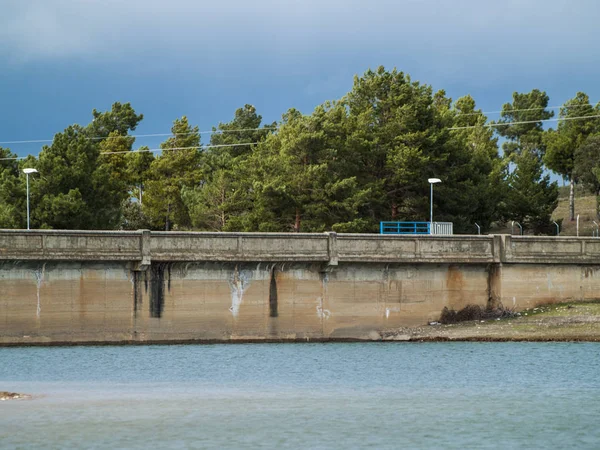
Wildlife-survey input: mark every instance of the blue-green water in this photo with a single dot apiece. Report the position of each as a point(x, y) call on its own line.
point(373, 395)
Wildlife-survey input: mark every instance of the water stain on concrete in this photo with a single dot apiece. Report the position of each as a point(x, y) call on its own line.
point(157, 288)
point(137, 290)
point(238, 283)
point(273, 293)
point(39, 278)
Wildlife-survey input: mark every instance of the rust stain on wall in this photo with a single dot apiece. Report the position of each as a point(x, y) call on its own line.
point(455, 280)
point(455, 285)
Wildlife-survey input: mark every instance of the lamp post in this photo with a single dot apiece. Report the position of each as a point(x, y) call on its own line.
point(27, 172)
point(432, 181)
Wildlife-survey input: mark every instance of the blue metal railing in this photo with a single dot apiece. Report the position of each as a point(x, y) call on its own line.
point(404, 227)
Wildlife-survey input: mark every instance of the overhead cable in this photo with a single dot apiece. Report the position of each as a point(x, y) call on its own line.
point(146, 150)
point(152, 150)
point(41, 141)
point(98, 138)
point(507, 124)
point(537, 108)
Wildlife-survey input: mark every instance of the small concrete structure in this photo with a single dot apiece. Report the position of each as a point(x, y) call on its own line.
point(142, 286)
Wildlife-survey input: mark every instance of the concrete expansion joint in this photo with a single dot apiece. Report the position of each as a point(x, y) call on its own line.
point(140, 266)
point(332, 250)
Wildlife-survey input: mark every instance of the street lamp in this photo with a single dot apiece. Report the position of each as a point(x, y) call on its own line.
point(432, 181)
point(27, 172)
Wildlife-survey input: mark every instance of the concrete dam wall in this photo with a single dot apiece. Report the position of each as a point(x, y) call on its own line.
point(86, 287)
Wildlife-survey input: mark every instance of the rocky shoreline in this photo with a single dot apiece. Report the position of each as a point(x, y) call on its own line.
point(561, 322)
point(4, 395)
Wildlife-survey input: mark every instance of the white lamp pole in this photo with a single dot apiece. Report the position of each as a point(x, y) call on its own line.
point(27, 172)
point(432, 181)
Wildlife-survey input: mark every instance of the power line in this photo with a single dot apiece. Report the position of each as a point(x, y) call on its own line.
point(152, 150)
point(523, 109)
point(507, 124)
point(41, 141)
point(97, 138)
point(144, 150)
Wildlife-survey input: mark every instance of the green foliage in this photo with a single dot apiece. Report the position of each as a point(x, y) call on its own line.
point(563, 142)
point(137, 169)
point(133, 216)
point(299, 180)
point(222, 200)
point(400, 138)
point(570, 135)
point(243, 129)
point(176, 168)
point(113, 153)
point(345, 167)
point(475, 186)
point(82, 180)
point(75, 190)
point(527, 112)
point(587, 164)
point(531, 197)
point(12, 192)
point(213, 204)
point(119, 120)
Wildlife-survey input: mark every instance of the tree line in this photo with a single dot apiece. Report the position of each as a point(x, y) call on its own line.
point(352, 163)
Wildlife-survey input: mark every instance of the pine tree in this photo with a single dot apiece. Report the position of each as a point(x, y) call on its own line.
point(562, 143)
point(176, 168)
point(75, 190)
point(12, 192)
point(531, 197)
point(399, 140)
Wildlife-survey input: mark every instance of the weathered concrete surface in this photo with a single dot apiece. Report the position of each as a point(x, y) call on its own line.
point(528, 285)
point(413, 249)
point(89, 302)
point(143, 247)
point(550, 250)
point(19, 245)
point(70, 287)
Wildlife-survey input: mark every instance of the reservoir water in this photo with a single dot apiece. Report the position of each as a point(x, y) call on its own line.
point(341, 396)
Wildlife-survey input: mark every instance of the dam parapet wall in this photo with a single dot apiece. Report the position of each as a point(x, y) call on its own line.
point(142, 286)
point(143, 245)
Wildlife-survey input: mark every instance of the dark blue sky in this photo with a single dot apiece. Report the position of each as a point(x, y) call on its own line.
point(59, 59)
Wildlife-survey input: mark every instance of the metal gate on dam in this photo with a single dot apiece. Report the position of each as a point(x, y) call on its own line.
point(142, 286)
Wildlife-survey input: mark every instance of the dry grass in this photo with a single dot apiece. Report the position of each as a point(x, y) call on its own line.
point(585, 207)
point(559, 322)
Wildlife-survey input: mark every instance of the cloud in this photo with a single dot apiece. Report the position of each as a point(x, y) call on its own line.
point(292, 33)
